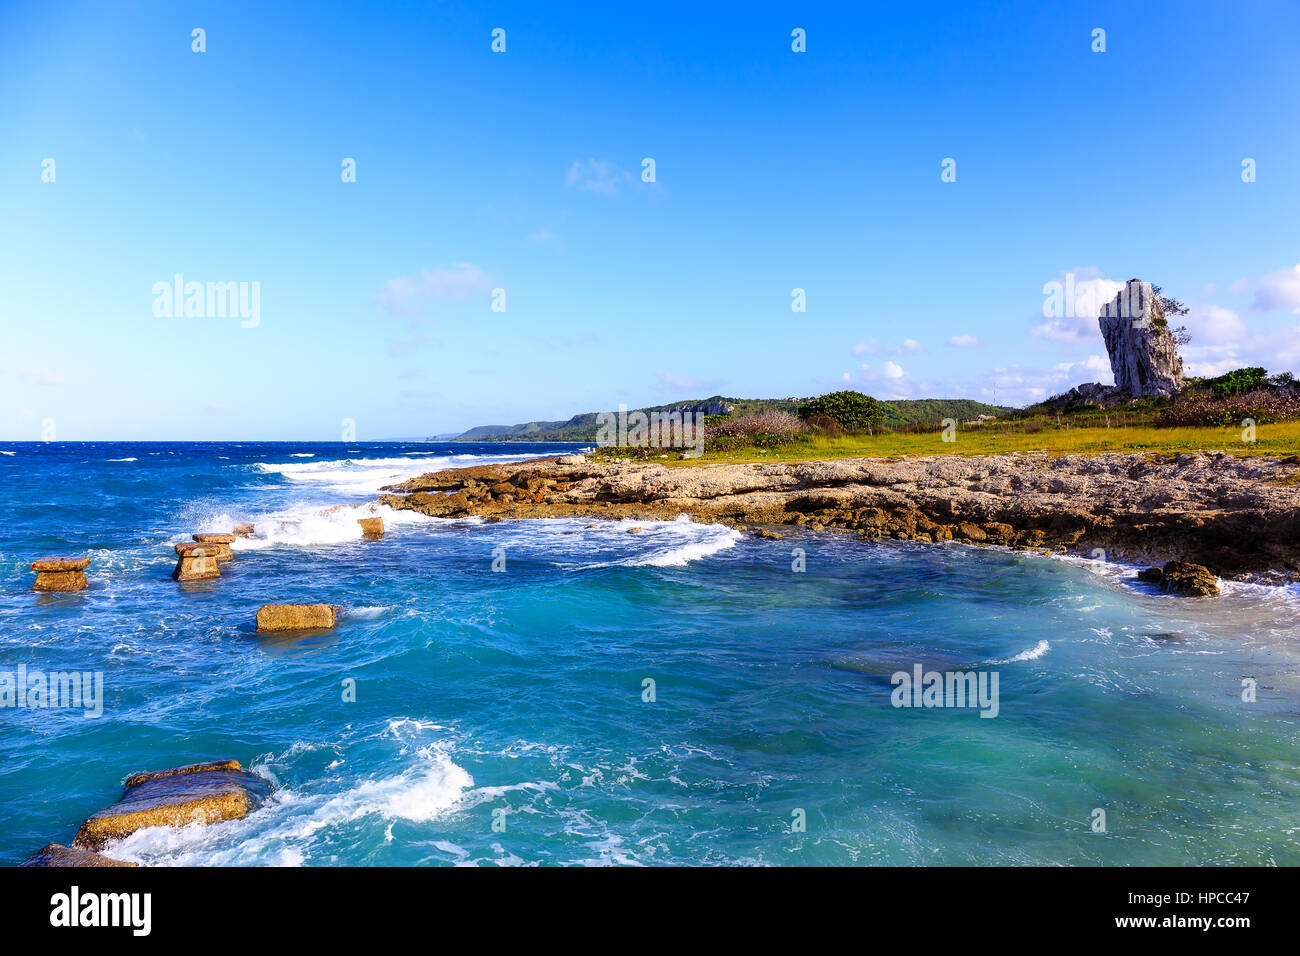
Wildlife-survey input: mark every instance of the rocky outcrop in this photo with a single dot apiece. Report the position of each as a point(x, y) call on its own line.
point(199, 793)
point(371, 527)
point(220, 544)
point(56, 854)
point(196, 562)
point(1143, 353)
point(243, 530)
point(272, 618)
point(1182, 578)
point(60, 574)
point(1237, 516)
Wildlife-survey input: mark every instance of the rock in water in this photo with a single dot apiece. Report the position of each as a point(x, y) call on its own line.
point(371, 527)
point(1143, 354)
point(1182, 578)
point(56, 854)
point(199, 793)
point(220, 544)
point(60, 574)
point(294, 617)
point(198, 562)
point(243, 530)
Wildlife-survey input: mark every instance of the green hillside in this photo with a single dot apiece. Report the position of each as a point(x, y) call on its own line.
point(584, 427)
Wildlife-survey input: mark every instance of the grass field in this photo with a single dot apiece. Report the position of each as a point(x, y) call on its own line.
point(1280, 440)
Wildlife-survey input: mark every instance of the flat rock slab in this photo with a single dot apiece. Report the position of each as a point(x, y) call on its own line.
point(56, 854)
point(61, 564)
point(200, 793)
point(295, 617)
point(219, 543)
point(60, 574)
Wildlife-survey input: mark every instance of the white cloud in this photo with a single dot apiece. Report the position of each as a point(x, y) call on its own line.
point(597, 176)
point(1214, 324)
point(672, 380)
point(1278, 290)
point(964, 342)
point(910, 345)
point(865, 347)
point(1072, 303)
point(40, 376)
point(401, 295)
point(893, 371)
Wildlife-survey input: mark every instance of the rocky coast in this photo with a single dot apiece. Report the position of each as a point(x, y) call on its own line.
point(1239, 517)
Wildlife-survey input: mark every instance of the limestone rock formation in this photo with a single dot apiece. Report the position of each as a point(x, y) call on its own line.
point(243, 530)
point(197, 562)
point(60, 574)
point(294, 617)
point(371, 527)
point(1183, 578)
point(1239, 517)
point(1143, 354)
point(56, 854)
point(199, 793)
point(220, 544)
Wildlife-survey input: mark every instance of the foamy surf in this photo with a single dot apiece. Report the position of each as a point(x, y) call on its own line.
point(368, 475)
point(1032, 654)
point(294, 820)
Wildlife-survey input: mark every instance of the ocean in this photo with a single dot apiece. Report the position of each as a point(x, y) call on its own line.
point(564, 692)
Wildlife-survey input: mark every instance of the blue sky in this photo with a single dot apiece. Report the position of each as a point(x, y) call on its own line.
point(522, 171)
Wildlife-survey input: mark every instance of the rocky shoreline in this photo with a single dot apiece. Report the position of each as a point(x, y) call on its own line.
point(1239, 517)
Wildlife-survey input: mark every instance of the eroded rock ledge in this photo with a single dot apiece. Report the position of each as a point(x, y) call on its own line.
point(1240, 517)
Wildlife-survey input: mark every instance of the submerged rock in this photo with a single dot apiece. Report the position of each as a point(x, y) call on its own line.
point(220, 542)
point(1182, 578)
point(242, 530)
point(199, 793)
point(60, 574)
point(294, 617)
point(56, 854)
point(371, 527)
point(198, 562)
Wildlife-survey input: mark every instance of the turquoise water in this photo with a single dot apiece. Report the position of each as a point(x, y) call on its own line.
point(522, 690)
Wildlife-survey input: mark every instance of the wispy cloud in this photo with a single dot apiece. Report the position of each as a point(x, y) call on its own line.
point(598, 176)
point(1279, 289)
point(964, 342)
point(405, 294)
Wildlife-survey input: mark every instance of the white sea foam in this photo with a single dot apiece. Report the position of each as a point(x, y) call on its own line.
point(121, 459)
point(368, 475)
point(307, 526)
point(1032, 654)
point(283, 830)
point(671, 544)
point(10, 453)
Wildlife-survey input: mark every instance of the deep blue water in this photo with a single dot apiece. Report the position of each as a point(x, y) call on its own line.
point(522, 690)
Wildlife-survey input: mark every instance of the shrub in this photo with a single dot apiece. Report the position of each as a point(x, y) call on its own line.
point(1238, 381)
point(826, 425)
point(766, 429)
point(1262, 405)
point(850, 410)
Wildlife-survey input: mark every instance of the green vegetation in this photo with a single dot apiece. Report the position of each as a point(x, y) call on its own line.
point(1237, 382)
point(584, 427)
point(851, 411)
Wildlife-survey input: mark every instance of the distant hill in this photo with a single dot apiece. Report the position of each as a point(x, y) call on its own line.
point(911, 411)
